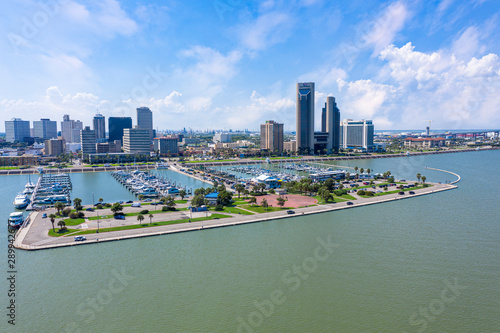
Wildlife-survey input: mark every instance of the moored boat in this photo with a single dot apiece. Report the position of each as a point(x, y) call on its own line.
point(16, 219)
point(21, 201)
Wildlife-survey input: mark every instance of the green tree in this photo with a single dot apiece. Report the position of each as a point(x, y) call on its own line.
point(77, 202)
point(419, 176)
point(52, 218)
point(140, 197)
point(356, 169)
point(59, 206)
point(280, 201)
point(61, 225)
point(264, 204)
point(252, 200)
point(239, 188)
point(150, 218)
point(225, 198)
point(262, 187)
point(140, 218)
point(116, 208)
point(182, 194)
point(424, 179)
point(368, 171)
point(198, 200)
point(170, 202)
point(325, 194)
point(199, 191)
point(362, 170)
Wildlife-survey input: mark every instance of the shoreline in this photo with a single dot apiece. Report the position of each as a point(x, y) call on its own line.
point(34, 169)
point(209, 224)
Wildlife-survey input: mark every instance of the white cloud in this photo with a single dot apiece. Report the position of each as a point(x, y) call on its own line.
point(267, 30)
point(386, 26)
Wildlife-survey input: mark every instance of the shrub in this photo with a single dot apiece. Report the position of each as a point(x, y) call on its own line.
point(66, 211)
point(219, 207)
point(107, 205)
point(144, 211)
point(369, 193)
point(361, 192)
point(80, 215)
point(73, 215)
point(164, 208)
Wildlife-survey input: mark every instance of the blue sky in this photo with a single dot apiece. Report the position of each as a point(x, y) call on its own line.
point(234, 64)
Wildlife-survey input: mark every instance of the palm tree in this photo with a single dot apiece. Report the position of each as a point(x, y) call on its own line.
point(368, 171)
point(424, 179)
point(252, 200)
point(61, 224)
point(140, 218)
point(58, 205)
point(101, 200)
point(239, 188)
point(419, 176)
point(77, 202)
point(264, 204)
point(356, 169)
point(182, 194)
point(361, 170)
point(150, 218)
point(141, 197)
point(281, 201)
point(52, 218)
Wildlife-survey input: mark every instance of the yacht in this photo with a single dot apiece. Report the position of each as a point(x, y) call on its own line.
point(28, 190)
point(21, 201)
point(16, 219)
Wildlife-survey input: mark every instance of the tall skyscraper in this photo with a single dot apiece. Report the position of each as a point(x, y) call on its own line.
point(88, 140)
point(356, 134)
point(305, 116)
point(16, 130)
point(100, 127)
point(136, 140)
point(145, 119)
point(271, 136)
point(116, 125)
point(332, 124)
point(323, 119)
point(45, 129)
point(70, 129)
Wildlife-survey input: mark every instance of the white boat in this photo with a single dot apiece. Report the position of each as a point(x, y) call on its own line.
point(21, 201)
point(28, 190)
point(16, 219)
point(161, 165)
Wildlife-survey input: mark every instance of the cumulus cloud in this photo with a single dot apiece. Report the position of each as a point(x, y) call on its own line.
point(267, 30)
point(427, 86)
point(386, 26)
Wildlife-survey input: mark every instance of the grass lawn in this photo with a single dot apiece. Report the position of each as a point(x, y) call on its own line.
point(155, 224)
point(235, 210)
point(69, 221)
point(60, 232)
point(260, 209)
point(180, 201)
point(208, 161)
point(335, 199)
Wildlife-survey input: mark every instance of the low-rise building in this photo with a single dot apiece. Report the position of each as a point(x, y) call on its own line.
point(54, 147)
point(166, 145)
point(424, 142)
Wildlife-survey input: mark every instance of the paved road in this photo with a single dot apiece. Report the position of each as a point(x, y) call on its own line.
point(35, 235)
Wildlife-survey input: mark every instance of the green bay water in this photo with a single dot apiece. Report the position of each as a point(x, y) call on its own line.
point(426, 264)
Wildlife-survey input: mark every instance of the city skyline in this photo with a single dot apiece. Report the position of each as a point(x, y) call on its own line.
point(400, 64)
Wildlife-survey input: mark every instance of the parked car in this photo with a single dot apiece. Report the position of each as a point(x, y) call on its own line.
point(401, 193)
point(119, 217)
point(44, 215)
point(80, 238)
point(147, 200)
point(290, 212)
point(89, 209)
point(411, 192)
point(130, 201)
point(349, 203)
point(136, 204)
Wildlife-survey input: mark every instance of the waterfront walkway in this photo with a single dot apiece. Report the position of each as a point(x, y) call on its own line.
point(34, 235)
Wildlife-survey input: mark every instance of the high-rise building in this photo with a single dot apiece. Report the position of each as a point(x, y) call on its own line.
point(136, 140)
point(88, 141)
point(45, 129)
point(166, 145)
point(16, 130)
point(332, 124)
point(271, 136)
point(145, 119)
point(305, 116)
point(100, 127)
point(116, 125)
point(54, 147)
point(222, 137)
point(356, 134)
point(70, 129)
point(323, 119)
